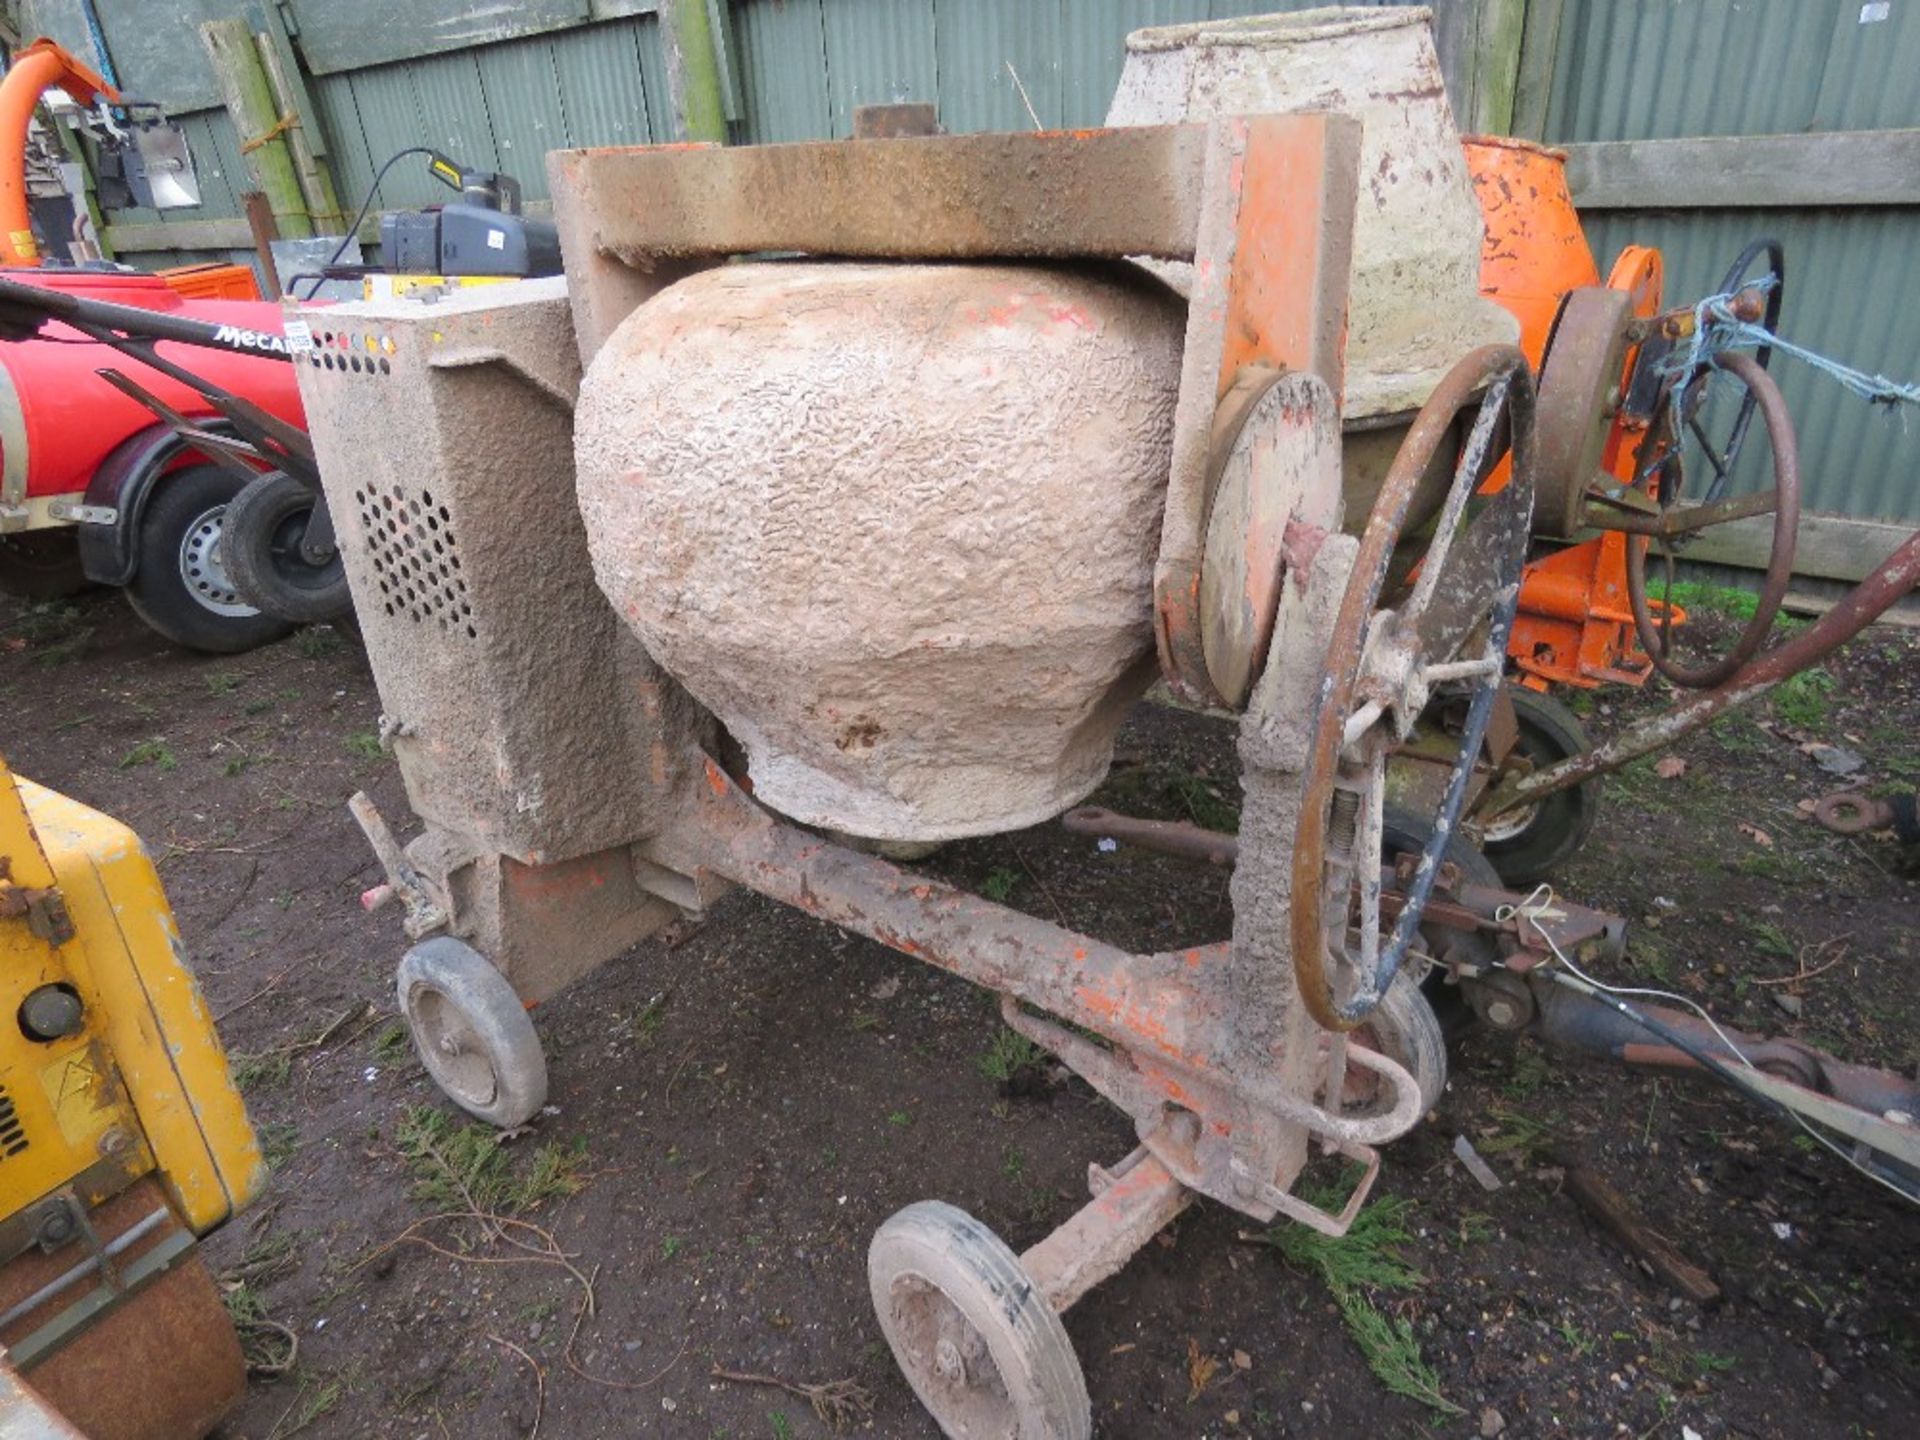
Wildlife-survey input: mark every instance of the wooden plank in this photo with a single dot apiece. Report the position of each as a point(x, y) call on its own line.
point(1533, 80)
point(258, 120)
point(1625, 1224)
point(179, 235)
point(1478, 42)
point(354, 34)
point(148, 237)
point(1844, 167)
point(1832, 547)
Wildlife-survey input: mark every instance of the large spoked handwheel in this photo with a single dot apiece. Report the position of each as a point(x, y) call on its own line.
point(472, 1033)
point(1740, 274)
point(979, 1343)
point(1388, 653)
point(1670, 478)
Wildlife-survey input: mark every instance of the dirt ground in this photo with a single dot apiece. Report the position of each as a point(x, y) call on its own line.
point(736, 1109)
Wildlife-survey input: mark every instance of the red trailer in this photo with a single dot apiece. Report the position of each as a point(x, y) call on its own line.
point(94, 487)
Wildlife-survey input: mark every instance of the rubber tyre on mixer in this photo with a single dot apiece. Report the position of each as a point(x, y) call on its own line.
point(1413, 1022)
point(972, 1333)
point(180, 586)
point(260, 544)
point(472, 1033)
point(1533, 846)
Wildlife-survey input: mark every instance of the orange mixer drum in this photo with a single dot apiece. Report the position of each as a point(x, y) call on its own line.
point(1534, 251)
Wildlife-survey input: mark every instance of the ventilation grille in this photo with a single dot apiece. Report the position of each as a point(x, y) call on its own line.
point(410, 541)
point(13, 1135)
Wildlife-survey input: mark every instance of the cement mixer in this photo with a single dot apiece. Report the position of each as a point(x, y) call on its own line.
point(674, 571)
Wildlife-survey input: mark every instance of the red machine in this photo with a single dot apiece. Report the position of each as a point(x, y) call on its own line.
point(95, 487)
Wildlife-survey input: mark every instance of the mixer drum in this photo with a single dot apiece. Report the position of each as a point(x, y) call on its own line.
point(895, 525)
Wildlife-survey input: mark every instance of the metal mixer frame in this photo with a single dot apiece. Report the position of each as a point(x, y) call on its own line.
point(1212, 1051)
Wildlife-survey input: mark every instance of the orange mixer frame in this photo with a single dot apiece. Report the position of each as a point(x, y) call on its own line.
point(1574, 625)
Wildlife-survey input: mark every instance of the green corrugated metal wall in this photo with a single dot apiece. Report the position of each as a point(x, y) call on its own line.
point(1656, 69)
point(1625, 69)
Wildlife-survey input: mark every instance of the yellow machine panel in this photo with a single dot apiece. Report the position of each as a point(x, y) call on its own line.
point(142, 1083)
point(122, 1136)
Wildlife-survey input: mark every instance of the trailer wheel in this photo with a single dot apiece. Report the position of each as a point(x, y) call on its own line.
point(41, 565)
point(1531, 843)
point(472, 1033)
point(261, 547)
point(974, 1336)
point(180, 585)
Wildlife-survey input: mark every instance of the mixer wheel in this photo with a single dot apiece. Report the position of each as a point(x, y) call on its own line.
point(472, 1033)
point(1527, 845)
point(974, 1336)
point(265, 524)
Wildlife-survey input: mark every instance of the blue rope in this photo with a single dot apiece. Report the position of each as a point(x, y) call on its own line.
point(1717, 328)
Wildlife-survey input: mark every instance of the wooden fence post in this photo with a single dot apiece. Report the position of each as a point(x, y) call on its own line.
point(693, 70)
point(261, 124)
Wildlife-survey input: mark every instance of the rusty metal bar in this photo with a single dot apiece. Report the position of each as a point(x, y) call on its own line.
point(1864, 604)
point(1055, 194)
point(1167, 837)
point(1578, 1022)
point(1164, 1006)
point(1680, 519)
point(1131, 1204)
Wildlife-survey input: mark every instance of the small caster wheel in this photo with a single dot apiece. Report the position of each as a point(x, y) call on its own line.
point(1405, 1029)
point(974, 1336)
point(472, 1032)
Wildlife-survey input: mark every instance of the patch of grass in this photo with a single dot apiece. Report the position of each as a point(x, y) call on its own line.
point(1770, 939)
point(279, 1142)
point(54, 627)
point(1578, 1341)
point(149, 752)
point(316, 641)
point(669, 1247)
point(1649, 956)
point(1365, 1260)
point(1767, 864)
point(999, 885)
point(782, 1427)
point(1519, 1131)
point(1734, 603)
point(899, 1119)
point(1205, 805)
point(647, 1023)
point(317, 1398)
point(237, 766)
point(260, 1069)
point(1009, 1054)
point(366, 745)
point(1802, 701)
point(392, 1043)
point(1012, 1163)
point(1476, 1228)
point(1531, 1070)
point(223, 682)
point(1162, 791)
point(459, 1167)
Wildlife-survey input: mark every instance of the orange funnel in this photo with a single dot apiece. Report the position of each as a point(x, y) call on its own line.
point(1535, 250)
